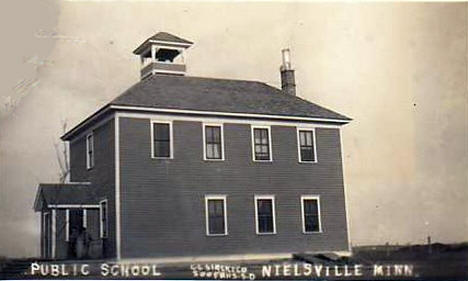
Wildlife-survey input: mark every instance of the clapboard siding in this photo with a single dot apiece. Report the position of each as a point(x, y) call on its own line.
point(163, 211)
point(102, 175)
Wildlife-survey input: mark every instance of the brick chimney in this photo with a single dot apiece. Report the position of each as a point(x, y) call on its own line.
point(288, 81)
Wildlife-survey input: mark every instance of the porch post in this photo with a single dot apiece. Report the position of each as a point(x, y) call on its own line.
point(54, 230)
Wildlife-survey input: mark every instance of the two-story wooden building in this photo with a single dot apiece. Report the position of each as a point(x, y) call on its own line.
point(181, 167)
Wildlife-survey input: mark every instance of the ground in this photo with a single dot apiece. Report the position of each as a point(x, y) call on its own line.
point(419, 262)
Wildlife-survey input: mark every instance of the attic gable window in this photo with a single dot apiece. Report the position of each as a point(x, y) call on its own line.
point(161, 139)
point(89, 151)
point(306, 145)
point(261, 143)
point(213, 142)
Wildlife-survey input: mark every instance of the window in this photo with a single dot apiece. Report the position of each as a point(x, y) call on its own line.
point(161, 135)
point(261, 143)
point(214, 142)
point(310, 214)
point(89, 151)
point(216, 218)
point(306, 145)
point(265, 214)
point(103, 214)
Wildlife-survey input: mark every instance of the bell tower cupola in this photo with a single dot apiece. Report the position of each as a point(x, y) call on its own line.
point(162, 54)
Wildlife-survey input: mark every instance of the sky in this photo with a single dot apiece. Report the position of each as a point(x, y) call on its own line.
point(398, 69)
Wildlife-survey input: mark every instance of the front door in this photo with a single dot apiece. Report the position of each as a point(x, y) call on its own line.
point(76, 218)
point(75, 226)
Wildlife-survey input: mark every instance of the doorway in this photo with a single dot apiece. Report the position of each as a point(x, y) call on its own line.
point(75, 221)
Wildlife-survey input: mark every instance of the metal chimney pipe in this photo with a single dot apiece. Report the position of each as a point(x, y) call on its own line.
point(288, 80)
point(286, 59)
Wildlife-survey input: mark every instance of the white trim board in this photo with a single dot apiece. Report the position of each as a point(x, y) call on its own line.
point(156, 70)
point(171, 43)
point(68, 206)
point(67, 225)
point(54, 233)
point(85, 218)
point(224, 120)
point(272, 198)
point(230, 114)
point(345, 192)
point(117, 185)
point(311, 197)
point(216, 197)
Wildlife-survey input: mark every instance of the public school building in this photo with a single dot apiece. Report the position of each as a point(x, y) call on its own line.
point(179, 167)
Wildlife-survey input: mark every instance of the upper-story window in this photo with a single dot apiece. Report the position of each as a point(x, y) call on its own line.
point(213, 142)
point(261, 143)
point(161, 139)
point(216, 217)
point(265, 214)
point(89, 151)
point(310, 214)
point(306, 145)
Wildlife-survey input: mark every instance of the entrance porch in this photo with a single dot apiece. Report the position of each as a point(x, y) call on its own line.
point(73, 221)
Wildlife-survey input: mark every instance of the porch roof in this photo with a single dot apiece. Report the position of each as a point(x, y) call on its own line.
point(64, 194)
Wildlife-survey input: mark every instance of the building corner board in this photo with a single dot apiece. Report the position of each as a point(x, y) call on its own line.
point(117, 185)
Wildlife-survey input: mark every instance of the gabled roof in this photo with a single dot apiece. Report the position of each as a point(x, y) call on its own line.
point(219, 95)
point(64, 193)
point(163, 37)
point(167, 37)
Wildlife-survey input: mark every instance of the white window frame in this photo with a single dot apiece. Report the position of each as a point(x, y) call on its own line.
point(222, 140)
point(216, 197)
point(270, 144)
point(90, 161)
point(101, 227)
point(272, 198)
point(171, 140)
point(311, 197)
point(314, 143)
point(67, 223)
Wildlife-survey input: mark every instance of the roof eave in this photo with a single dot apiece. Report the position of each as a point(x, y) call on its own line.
point(109, 107)
point(72, 132)
point(36, 199)
point(341, 121)
point(143, 46)
point(140, 48)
